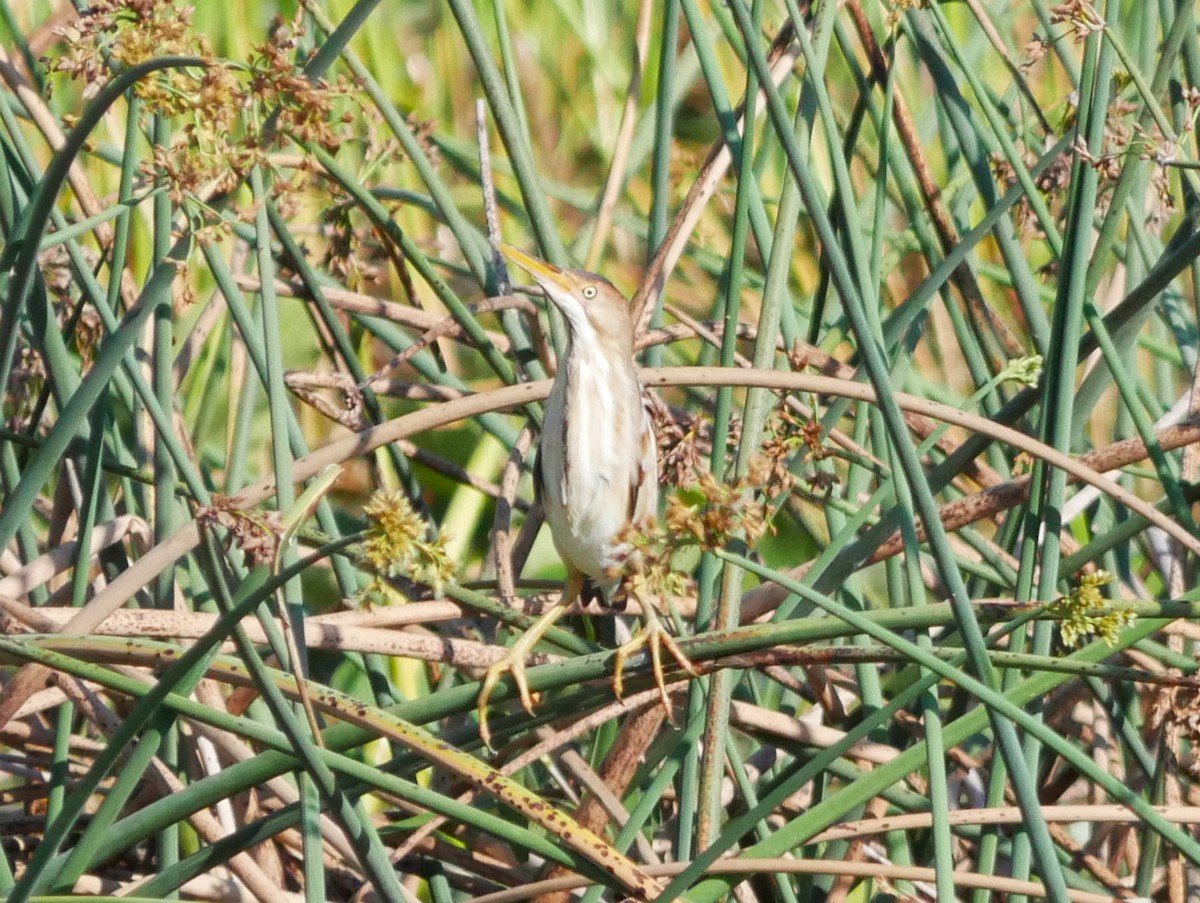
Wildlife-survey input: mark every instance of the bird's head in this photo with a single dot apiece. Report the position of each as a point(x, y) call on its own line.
point(592, 306)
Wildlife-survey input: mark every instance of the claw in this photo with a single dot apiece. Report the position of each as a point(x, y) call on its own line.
point(514, 661)
point(654, 635)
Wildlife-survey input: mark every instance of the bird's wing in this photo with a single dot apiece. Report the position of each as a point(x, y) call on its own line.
point(539, 478)
point(643, 490)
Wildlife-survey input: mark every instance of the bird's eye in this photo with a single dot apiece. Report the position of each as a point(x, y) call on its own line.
point(589, 292)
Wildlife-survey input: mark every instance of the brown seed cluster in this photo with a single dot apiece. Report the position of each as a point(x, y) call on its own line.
point(256, 533)
point(646, 568)
point(226, 115)
point(354, 253)
point(1035, 50)
point(122, 33)
point(25, 384)
point(1079, 15)
point(304, 107)
point(79, 323)
point(709, 513)
point(1053, 183)
point(678, 442)
point(1176, 712)
point(1123, 138)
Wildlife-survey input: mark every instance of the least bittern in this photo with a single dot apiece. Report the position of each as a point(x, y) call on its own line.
point(597, 469)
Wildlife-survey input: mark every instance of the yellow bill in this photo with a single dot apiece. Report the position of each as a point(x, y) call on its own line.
point(538, 269)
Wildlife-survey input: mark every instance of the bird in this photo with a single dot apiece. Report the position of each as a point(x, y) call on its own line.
point(597, 465)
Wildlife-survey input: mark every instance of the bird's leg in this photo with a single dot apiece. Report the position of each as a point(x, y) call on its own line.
point(654, 635)
point(514, 661)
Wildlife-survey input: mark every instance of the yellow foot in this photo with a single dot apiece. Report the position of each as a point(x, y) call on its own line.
point(655, 636)
point(514, 663)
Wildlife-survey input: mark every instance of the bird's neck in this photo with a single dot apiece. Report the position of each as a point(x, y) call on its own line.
point(587, 347)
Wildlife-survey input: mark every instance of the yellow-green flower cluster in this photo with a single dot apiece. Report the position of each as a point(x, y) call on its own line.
point(1084, 612)
point(400, 544)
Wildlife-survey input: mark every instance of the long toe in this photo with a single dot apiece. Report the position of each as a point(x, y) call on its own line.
point(513, 662)
point(654, 637)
